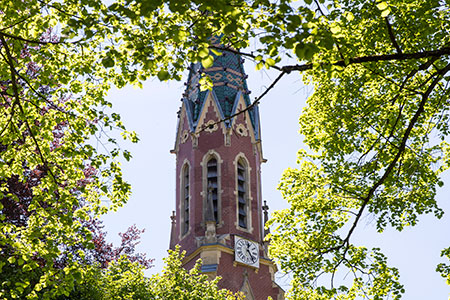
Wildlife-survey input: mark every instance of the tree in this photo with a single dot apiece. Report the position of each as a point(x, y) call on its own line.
point(380, 71)
point(376, 126)
point(124, 279)
point(52, 178)
point(175, 282)
point(111, 272)
point(57, 61)
point(104, 253)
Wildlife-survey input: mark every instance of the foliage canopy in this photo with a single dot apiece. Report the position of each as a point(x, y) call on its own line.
point(124, 279)
point(376, 125)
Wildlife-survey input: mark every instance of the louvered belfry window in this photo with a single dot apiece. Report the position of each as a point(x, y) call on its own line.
point(242, 195)
point(185, 199)
point(212, 185)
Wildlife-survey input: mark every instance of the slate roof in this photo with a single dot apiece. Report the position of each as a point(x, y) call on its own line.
point(229, 82)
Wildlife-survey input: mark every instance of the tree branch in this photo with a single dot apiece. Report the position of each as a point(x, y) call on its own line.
point(14, 24)
point(10, 117)
point(434, 54)
point(25, 40)
point(10, 62)
point(41, 96)
point(392, 36)
point(401, 148)
point(254, 103)
point(374, 58)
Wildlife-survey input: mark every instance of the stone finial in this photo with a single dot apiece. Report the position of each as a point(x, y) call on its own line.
point(173, 233)
point(265, 209)
point(266, 243)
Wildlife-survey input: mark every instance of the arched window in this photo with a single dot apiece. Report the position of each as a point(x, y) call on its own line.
point(212, 186)
point(242, 183)
point(185, 199)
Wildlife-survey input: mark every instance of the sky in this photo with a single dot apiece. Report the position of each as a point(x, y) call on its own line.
point(151, 112)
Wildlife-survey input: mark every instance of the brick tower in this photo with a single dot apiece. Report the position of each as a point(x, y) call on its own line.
point(219, 209)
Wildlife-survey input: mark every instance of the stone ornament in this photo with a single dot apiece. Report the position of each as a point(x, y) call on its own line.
point(241, 130)
point(211, 126)
point(184, 136)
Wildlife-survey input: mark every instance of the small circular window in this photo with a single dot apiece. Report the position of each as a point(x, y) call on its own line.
point(184, 136)
point(241, 130)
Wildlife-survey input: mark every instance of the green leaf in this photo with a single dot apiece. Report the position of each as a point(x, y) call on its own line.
point(349, 16)
point(270, 61)
point(208, 61)
point(203, 53)
point(163, 75)
point(382, 6)
point(104, 188)
point(108, 62)
point(300, 51)
point(385, 13)
point(127, 155)
point(335, 28)
point(205, 83)
point(230, 28)
point(217, 53)
point(259, 66)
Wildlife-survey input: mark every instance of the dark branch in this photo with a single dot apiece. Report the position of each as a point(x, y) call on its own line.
point(13, 72)
point(52, 105)
point(392, 36)
point(16, 23)
point(433, 54)
point(26, 40)
point(337, 45)
point(375, 58)
point(9, 120)
point(401, 148)
point(254, 103)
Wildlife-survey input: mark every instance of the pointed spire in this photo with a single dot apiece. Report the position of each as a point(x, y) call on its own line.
point(173, 234)
point(229, 81)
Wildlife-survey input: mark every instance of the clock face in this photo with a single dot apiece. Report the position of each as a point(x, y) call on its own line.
point(246, 252)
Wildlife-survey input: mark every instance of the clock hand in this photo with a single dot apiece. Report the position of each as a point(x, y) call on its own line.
point(251, 256)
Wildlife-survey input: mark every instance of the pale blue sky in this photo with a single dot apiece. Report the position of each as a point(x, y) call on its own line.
point(152, 113)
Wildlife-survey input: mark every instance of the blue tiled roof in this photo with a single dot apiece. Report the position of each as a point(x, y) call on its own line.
point(228, 77)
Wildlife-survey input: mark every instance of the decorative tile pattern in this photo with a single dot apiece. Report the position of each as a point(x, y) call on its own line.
point(228, 77)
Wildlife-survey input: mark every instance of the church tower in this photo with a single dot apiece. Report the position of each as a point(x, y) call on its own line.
point(218, 208)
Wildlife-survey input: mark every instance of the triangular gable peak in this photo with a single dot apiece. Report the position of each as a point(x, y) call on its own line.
point(241, 122)
point(184, 129)
point(246, 289)
point(211, 115)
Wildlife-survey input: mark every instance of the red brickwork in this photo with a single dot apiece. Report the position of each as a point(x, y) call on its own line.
point(233, 276)
point(192, 149)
